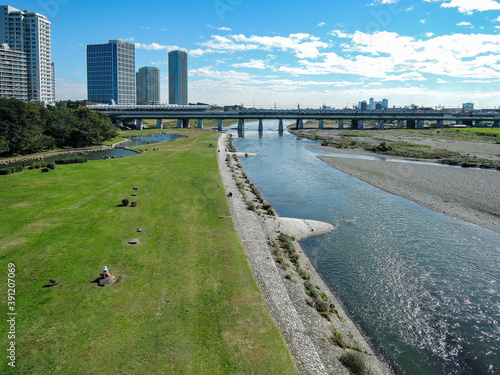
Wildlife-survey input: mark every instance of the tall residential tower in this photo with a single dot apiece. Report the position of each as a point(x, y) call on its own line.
point(148, 85)
point(111, 72)
point(178, 77)
point(29, 32)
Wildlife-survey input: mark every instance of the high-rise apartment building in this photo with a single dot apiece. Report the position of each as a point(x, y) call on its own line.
point(148, 85)
point(111, 72)
point(29, 32)
point(13, 78)
point(178, 77)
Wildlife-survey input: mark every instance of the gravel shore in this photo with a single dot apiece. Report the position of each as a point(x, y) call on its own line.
point(470, 195)
point(307, 334)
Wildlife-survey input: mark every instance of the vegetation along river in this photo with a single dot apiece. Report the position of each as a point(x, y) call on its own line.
point(423, 287)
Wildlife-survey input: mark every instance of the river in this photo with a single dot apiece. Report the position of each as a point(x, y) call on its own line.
point(423, 287)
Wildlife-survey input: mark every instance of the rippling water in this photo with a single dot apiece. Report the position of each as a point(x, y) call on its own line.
point(422, 286)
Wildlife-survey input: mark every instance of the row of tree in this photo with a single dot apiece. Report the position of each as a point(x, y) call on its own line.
point(27, 128)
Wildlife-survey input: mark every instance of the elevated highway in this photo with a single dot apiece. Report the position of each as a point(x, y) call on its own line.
point(404, 118)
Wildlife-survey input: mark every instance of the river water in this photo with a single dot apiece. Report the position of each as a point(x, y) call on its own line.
point(424, 288)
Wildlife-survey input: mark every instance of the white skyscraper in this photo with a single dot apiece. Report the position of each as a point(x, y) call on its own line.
point(29, 32)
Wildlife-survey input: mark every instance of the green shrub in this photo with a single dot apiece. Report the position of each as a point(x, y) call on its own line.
point(321, 306)
point(310, 290)
point(354, 362)
point(303, 274)
point(5, 171)
point(72, 160)
point(338, 340)
point(51, 165)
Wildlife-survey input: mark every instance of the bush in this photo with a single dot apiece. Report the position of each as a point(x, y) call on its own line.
point(6, 171)
point(45, 170)
point(354, 362)
point(72, 160)
point(51, 166)
point(338, 340)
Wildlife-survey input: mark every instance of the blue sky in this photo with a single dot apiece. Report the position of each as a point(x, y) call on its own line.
point(424, 52)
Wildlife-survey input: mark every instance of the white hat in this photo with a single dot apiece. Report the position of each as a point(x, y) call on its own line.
point(105, 269)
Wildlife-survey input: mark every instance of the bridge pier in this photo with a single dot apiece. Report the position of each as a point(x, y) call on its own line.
point(478, 124)
point(439, 123)
point(358, 124)
point(410, 124)
point(280, 125)
point(401, 124)
point(381, 124)
point(320, 124)
point(241, 124)
point(179, 123)
point(261, 126)
point(496, 124)
point(341, 124)
point(119, 123)
point(138, 124)
point(300, 124)
point(420, 124)
point(200, 123)
point(467, 123)
point(159, 124)
point(219, 125)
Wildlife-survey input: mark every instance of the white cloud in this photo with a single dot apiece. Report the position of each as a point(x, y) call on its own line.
point(255, 64)
point(429, 35)
point(219, 28)
point(423, 21)
point(156, 47)
point(469, 6)
point(303, 45)
point(321, 24)
point(464, 23)
point(389, 56)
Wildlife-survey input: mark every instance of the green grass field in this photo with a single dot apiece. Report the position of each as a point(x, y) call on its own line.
point(185, 302)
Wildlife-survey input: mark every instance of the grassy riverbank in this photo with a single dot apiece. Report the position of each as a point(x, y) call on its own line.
point(185, 301)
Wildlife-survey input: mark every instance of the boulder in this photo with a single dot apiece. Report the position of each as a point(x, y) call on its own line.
point(103, 281)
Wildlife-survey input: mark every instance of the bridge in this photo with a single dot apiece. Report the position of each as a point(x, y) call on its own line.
point(355, 119)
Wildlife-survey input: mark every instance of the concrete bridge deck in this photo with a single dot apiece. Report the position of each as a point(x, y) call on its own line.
point(414, 119)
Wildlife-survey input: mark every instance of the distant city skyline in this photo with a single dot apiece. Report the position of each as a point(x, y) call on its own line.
point(430, 53)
